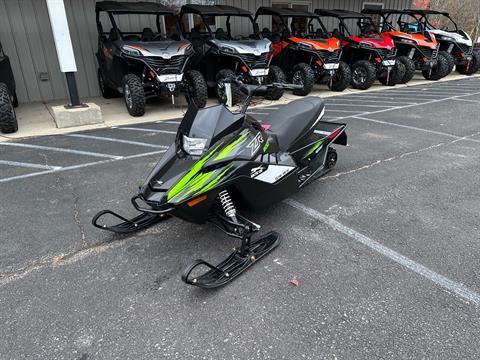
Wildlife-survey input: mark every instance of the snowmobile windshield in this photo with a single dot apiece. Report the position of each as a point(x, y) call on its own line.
point(204, 127)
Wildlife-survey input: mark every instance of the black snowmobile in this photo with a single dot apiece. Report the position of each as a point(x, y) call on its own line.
point(221, 161)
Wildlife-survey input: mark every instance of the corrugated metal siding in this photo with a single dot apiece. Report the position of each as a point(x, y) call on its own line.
point(27, 38)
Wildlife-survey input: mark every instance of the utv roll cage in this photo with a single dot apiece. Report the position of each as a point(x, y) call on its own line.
point(140, 8)
point(423, 13)
point(283, 13)
point(217, 10)
point(342, 15)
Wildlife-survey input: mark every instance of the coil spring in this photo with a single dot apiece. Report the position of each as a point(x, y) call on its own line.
point(227, 204)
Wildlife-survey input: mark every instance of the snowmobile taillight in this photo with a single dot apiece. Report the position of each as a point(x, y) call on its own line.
point(197, 200)
point(194, 146)
point(244, 69)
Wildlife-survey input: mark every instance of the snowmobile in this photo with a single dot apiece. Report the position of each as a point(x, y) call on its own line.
point(222, 162)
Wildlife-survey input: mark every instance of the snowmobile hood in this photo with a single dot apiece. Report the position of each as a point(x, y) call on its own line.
point(163, 49)
point(330, 44)
point(419, 39)
point(255, 47)
point(376, 41)
point(459, 37)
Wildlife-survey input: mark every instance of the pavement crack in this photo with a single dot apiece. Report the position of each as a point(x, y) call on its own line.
point(397, 157)
point(76, 219)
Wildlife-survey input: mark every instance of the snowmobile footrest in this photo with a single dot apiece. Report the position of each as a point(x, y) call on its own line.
point(139, 222)
point(233, 265)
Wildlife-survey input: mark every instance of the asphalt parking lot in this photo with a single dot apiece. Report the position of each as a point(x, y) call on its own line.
point(386, 247)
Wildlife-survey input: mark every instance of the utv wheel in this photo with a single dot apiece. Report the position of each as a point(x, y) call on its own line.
point(472, 67)
point(106, 92)
point(409, 68)
point(8, 118)
point(449, 58)
point(397, 72)
point(134, 95)
point(197, 88)
point(331, 159)
point(275, 75)
point(438, 71)
point(363, 74)
point(220, 92)
point(302, 74)
point(341, 79)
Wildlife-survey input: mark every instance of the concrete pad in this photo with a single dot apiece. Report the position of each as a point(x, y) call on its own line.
point(78, 116)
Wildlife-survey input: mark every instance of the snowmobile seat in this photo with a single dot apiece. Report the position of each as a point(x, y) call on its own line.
point(294, 119)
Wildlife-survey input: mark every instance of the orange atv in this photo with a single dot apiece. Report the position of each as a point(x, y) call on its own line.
point(303, 49)
point(417, 50)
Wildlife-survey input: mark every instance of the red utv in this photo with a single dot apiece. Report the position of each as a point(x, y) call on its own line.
point(303, 49)
point(371, 55)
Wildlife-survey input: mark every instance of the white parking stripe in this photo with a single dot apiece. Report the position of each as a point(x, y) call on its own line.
point(415, 128)
point(167, 122)
point(256, 113)
point(146, 130)
point(440, 280)
point(389, 98)
point(370, 101)
point(330, 104)
point(346, 111)
point(80, 166)
point(28, 165)
point(50, 148)
point(103, 138)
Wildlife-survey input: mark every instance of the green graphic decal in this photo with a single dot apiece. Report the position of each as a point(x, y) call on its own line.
point(227, 150)
point(313, 149)
point(265, 147)
point(184, 181)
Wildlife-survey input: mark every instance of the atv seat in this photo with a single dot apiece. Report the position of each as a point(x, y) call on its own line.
point(148, 34)
point(294, 119)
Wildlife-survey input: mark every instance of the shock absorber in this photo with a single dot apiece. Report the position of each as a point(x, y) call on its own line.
point(227, 204)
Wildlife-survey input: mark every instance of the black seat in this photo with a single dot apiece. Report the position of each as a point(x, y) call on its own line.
point(148, 34)
point(291, 121)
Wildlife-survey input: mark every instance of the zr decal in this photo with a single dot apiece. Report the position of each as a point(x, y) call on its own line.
point(255, 144)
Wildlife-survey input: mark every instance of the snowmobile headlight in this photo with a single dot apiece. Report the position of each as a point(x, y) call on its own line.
point(194, 146)
point(130, 50)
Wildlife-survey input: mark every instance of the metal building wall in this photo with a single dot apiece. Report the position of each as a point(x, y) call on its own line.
point(27, 38)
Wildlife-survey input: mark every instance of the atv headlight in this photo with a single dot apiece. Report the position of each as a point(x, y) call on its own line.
point(408, 41)
point(305, 45)
point(446, 38)
point(194, 146)
point(130, 50)
point(228, 49)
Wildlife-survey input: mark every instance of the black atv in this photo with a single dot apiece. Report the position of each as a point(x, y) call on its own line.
point(146, 64)
point(226, 47)
point(303, 48)
point(371, 55)
point(8, 96)
point(455, 44)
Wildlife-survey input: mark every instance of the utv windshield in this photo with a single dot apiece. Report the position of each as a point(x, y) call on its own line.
point(349, 26)
point(410, 23)
point(222, 27)
point(140, 26)
point(440, 21)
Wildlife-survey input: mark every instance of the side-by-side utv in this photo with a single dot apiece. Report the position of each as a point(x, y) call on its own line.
point(371, 55)
point(142, 64)
point(227, 43)
point(454, 42)
point(417, 50)
point(304, 49)
point(8, 96)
